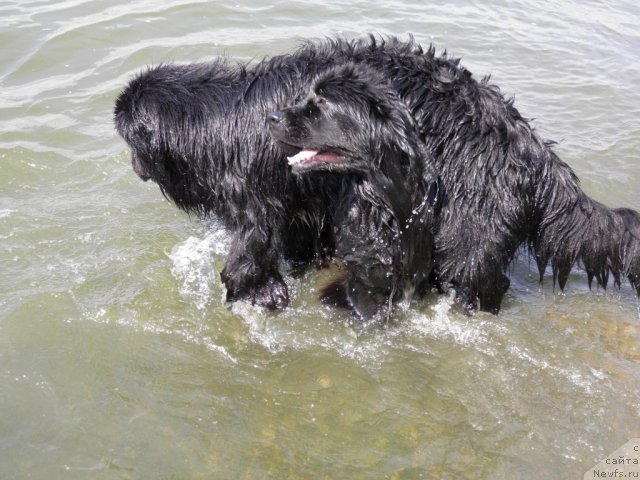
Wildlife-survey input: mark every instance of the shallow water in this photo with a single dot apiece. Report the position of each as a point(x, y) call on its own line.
point(118, 358)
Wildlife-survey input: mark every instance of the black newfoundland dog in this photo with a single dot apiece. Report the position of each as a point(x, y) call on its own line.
point(199, 132)
point(353, 124)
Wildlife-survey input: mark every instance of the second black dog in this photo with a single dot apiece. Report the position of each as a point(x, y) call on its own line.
point(353, 124)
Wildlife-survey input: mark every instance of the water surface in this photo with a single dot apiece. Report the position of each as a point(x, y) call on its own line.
point(118, 358)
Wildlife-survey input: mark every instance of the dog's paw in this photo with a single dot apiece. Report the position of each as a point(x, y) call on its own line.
point(271, 293)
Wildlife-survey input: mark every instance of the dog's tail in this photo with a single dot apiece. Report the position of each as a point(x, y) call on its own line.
point(574, 228)
point(629, 242)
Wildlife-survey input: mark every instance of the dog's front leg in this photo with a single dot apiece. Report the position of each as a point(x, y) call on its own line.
point(251, 271)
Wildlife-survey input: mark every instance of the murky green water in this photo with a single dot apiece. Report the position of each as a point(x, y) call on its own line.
point(118, 358)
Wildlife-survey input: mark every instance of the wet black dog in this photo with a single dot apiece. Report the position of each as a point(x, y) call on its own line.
point(353, 124)
point(506, 188)
point(198, 131)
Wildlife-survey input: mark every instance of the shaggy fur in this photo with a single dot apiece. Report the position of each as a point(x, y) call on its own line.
point(353, 124)
point(198, 131)
point(505, 188)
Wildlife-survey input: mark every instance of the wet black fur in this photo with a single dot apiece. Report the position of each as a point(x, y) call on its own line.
point(385, 216)
point(198, 131)
point(506, 187)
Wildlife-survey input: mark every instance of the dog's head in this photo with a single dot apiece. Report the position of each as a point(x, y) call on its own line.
point(350, 122)
point(166, 115)
point(141, 121)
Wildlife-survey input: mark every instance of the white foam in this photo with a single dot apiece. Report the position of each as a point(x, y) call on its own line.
point(301, 329)
point(193, 265)
point(443, 325)
point(584, 381)
point(6, 212)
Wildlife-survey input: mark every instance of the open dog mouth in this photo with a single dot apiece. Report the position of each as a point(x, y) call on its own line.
point(308, 157)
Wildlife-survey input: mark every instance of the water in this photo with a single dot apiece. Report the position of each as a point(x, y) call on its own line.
point(118, 358)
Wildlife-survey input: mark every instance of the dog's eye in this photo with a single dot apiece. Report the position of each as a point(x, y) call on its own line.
point(321, 101)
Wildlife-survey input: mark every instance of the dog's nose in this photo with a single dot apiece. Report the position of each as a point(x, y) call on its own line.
point(274, 117)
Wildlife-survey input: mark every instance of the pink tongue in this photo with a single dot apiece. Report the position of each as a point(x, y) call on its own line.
point(301, 156)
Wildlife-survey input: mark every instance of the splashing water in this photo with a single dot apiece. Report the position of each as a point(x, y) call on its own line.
point(193, 265)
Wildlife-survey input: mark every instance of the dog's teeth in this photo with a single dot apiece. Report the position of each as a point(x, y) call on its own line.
point(301, 156)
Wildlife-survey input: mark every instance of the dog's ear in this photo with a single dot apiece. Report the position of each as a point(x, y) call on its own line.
point(394, 124)
point(405, 129)
point(434, 192)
